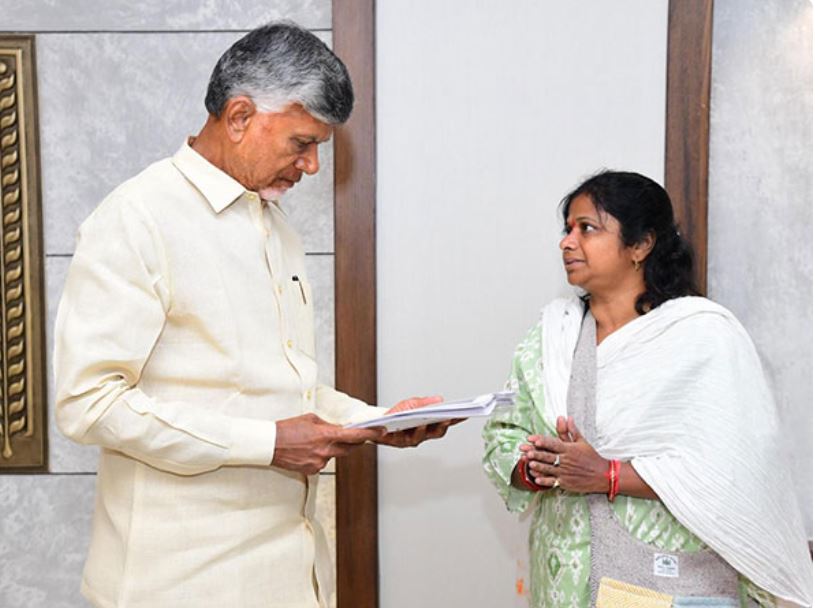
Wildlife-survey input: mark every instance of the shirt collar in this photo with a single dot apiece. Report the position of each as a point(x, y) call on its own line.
point(217, 187)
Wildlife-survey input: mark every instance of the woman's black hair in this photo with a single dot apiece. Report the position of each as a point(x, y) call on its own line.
point(642, 207)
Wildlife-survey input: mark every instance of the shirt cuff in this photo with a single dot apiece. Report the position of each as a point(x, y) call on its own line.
point(252, 442)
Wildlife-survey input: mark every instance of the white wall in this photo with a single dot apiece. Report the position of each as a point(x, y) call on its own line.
point(486, 116)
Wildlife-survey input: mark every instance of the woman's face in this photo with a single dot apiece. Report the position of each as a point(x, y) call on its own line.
point(593, 252)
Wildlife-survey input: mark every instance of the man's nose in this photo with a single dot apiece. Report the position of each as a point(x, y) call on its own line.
point(309, 161)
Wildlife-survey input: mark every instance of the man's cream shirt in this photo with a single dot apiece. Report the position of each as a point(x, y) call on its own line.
point(184, 332)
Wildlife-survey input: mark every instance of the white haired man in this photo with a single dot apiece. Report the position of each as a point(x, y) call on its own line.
point(185, 349)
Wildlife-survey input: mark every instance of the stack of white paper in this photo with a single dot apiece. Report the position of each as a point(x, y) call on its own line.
point(448, 410)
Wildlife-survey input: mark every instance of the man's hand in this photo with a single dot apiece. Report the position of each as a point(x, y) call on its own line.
point(410, 438)
point(415, 403)
point(306, 443)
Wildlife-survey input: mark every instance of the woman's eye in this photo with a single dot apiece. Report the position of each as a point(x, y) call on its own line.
point(587, 228)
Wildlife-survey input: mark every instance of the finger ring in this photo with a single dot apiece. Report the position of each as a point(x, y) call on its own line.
point(557, 461)
point(556, 484)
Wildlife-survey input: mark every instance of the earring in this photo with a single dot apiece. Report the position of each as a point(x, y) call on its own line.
point(637, 265)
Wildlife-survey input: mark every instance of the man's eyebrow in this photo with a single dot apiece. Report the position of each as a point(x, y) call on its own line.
point(311, 139)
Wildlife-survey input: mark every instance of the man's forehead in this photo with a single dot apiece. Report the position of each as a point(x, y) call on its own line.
point(303, 125)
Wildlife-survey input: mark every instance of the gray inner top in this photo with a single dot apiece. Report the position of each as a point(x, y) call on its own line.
point(614, 552)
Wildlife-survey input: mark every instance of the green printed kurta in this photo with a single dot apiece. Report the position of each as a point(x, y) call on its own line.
point(560, 534)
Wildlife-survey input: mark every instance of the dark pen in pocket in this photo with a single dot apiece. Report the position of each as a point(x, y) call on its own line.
point(297, 280)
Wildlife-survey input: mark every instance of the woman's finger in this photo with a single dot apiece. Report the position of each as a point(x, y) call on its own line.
point(551, 444)
point(572, 427)
point(538, 456)
point(562, 429)
point(546, 481)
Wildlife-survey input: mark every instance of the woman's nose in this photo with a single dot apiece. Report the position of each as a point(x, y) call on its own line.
point(567, 242)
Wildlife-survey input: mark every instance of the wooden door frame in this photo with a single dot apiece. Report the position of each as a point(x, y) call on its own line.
point(353, 28)
point(687, 121)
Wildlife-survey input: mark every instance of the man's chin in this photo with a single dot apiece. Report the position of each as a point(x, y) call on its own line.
point(271, 194)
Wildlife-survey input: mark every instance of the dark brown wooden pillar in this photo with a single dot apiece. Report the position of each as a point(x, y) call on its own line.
point(687, 121)
point(355, 304)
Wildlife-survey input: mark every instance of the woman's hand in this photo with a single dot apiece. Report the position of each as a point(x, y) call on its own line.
point(568, 461)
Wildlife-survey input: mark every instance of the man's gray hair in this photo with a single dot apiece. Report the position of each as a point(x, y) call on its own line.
point(279, 64)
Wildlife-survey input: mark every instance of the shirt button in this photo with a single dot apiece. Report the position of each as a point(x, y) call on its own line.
point(289, 343)
point(279, 289)
point(308, 395)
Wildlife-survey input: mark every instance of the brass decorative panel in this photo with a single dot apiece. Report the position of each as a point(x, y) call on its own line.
point(22, 344)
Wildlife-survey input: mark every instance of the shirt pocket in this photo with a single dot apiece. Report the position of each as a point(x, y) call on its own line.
point(301, 305)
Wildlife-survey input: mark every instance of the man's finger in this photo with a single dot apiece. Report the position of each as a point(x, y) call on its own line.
point(342, 435)
point(438, 430)
point(342, 449)
point(415, 403)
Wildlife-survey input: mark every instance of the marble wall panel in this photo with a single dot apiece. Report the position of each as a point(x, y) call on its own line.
point(310, 205)
point(760, 210)
point(110, 104)
point(320, 269)
point(45, 523)
point(152, 15)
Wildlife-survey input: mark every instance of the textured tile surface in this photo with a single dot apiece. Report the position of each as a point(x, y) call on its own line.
point(45, 524)
point(107, 111)
point(122, 15)
point(310, 205)
point(320, 270)
point(760, 210)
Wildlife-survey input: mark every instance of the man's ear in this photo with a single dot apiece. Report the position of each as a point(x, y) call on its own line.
point(237, 115)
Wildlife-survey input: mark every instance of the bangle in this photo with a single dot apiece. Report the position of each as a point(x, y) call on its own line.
point(613, 477)
point(523, 474)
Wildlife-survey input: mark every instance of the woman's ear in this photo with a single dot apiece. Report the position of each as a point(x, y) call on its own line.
point(642, 249)
point(237, 115)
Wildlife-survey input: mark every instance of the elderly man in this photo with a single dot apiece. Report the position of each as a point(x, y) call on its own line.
point(185, 349)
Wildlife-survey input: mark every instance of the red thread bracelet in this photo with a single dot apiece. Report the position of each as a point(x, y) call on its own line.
point(613, 477)
point(523, 471)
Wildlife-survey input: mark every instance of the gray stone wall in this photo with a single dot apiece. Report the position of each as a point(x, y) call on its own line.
point(760, 216)
point(120, 85)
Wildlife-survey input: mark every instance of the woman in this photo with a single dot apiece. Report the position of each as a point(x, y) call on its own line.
point(644, 428)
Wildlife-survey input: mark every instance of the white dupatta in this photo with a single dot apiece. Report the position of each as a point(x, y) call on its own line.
point(682, 395)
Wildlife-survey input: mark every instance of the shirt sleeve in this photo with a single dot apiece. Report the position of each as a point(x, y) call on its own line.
point(112, 312)
point(339, 408)
point(506, 430)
